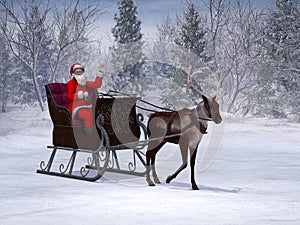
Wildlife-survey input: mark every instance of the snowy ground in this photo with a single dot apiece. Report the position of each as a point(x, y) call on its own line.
point(254, 180)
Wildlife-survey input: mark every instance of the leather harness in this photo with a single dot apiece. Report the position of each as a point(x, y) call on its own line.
point(195, 121)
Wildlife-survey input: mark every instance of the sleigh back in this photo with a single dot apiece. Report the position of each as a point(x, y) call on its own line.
point(67, 132)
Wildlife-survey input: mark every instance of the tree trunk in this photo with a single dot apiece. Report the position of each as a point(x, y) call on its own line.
point(229, 109)
point(3, 106)
point(36, 84)
point(38, 91)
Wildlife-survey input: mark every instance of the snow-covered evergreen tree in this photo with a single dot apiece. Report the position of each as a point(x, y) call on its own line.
point(282, 34)
point(5, 78)
point(187, 54)
point(128, 58)
point(191, 32)
point(282, 55)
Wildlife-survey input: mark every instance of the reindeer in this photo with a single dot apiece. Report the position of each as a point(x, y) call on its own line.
point(185, 128)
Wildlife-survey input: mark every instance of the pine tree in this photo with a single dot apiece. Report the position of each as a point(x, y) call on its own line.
point(128, 58)
point(282, 53)
point(192, 34)
point(5, 78)
point(282, 34)
point(188, 55)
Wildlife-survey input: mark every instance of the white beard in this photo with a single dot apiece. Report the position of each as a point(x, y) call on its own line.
point(81, 79)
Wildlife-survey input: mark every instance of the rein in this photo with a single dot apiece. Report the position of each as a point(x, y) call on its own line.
point(141, 100)
point(195, 120)
point(206, 119)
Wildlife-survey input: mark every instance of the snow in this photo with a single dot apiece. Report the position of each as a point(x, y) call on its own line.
point(255, 179)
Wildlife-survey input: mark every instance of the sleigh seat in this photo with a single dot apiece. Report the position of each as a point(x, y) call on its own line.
point(67, 131)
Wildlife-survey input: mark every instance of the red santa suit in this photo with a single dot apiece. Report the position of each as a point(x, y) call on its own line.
point(76, 98)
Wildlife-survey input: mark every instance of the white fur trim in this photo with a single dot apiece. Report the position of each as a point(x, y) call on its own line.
point(80, 94)
point(78, 66)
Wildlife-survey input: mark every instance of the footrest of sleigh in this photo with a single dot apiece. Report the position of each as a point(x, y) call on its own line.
point(91, 170)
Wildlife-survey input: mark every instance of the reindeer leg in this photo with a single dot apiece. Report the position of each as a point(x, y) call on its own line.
point(153, 148)
point(148, 167)
point(192, 164)
point(184, 154)
point(154, 174)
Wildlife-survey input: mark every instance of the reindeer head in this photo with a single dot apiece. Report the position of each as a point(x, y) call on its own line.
point(209, 104)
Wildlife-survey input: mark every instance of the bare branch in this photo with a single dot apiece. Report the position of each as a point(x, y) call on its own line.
point(72, 23)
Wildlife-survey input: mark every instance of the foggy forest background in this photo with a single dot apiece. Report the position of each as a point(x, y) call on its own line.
point(254, 54)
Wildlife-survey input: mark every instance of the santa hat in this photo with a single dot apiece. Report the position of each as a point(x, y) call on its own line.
point(75, 67)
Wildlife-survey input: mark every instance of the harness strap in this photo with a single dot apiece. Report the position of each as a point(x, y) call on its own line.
point(194, 122)
point(171, 120)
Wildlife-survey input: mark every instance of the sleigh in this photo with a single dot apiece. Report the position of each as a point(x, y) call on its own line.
point(76, 154)
point(118, 128)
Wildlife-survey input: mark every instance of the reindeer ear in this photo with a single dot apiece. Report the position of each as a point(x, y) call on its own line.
point(214, 98)
point(205, 99)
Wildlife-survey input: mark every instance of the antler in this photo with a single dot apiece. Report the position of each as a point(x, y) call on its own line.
point(190, 82)
point(222, 74)
point(217, 84)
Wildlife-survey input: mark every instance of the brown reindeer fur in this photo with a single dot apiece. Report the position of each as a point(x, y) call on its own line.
point(188, 124)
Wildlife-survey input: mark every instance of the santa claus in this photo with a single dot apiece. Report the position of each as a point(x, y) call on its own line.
point(80, 94)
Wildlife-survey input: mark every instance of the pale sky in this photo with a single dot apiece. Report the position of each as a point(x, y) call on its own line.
point(151, 13)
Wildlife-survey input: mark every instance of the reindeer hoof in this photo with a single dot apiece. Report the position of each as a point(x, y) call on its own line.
point(195, 187)
point(169, 179)
point(150, 183)
point(157, 181)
